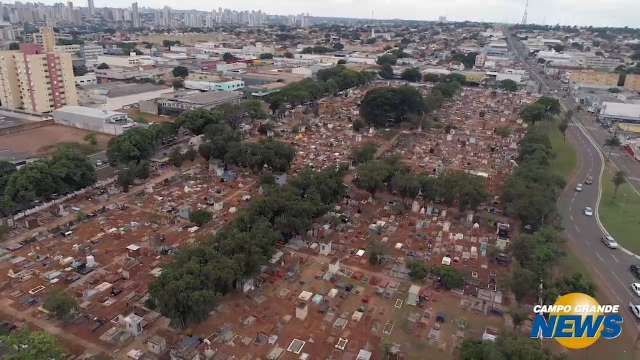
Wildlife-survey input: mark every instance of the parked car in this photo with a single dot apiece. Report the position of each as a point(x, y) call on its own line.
point(588, 211)
point(636, 288)
point(609, 241)
point(635, 270)
point(635, 309)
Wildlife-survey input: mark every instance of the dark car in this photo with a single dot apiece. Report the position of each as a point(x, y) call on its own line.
point(635, 270)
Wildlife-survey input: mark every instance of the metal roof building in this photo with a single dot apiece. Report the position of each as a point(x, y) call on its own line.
point(620, 112)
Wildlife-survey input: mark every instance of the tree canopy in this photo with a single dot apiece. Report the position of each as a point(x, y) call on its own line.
point(67, 170)
point(187, 289)
point(29, 345)
point(386, 106)
point(180, 72)
point(411, 74)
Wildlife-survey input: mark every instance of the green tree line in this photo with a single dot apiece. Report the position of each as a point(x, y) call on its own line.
point(188, 287)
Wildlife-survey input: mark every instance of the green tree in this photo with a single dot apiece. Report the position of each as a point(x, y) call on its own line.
point(180, 72)
point(406, 185)
point(266, 56)
point(508, 85)
point(503, 131)
point(563, 125)
point(14, 46)
point(386, 72)
point(450, 277)
point(200, 217)
point(411, 74)
point(619, 178)
point(417, 270)
point(364, 152)
point(387, 60)
point(30, 345)
point(507, 346)
point(102, 66)
point(372, 176)
point(338, 46)
point(388, 105)
point(376, 252)
point(60, 304)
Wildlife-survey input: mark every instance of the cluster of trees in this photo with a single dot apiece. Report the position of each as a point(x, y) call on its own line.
point(448, 277)
point(468, 59)
point(386, 106)
point(180, 72)
point(508, 85)
point(223, 141)
point(507, 346)
point(412, 75)
point(542, 109)
point(329, 81)
point(317, 50)
point(66, 171)
point(28, 345)
point(140, 143)
point(188, 287)
point(452, 187)
point(531, 191)
point(60, 304)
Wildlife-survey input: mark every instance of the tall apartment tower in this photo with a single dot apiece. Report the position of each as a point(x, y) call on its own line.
point(35, 80)
point(135, 15)
point(45, 38)
point(91, 6)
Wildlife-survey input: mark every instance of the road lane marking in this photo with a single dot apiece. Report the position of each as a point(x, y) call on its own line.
point(599, 257)
point(615, 258)
point(624, 286)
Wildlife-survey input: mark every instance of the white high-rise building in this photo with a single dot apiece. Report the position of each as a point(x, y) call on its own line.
point(135, 15)
point(92, 8)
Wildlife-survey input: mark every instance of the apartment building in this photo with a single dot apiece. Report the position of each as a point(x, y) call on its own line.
point(35, 80)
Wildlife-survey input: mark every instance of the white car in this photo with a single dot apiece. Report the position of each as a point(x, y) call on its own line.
point(636, 288)
point(579, 187)
point(635, 309)
point(588, 211)
point(609, 241)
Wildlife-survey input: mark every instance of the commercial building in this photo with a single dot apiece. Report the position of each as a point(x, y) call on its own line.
point(103, 121)
point(619, 112)
point(91, 51)
point(214, 86)
point(36, 81)
point(197, 100)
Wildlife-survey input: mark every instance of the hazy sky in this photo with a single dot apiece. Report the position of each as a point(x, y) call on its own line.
point(550, 12)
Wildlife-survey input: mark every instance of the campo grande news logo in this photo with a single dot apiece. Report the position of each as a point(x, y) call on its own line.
point(576, 321)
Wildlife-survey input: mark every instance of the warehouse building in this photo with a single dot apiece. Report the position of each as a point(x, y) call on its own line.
point(102, 121)
point(612, 112)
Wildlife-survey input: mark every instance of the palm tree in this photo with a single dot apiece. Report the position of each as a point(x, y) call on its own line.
point(618, 179)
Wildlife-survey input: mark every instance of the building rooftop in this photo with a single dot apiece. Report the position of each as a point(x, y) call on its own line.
point(87, 111)
point(613, 109)
point(204, 98)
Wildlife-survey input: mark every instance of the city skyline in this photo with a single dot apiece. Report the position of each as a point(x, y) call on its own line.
point(617, 13)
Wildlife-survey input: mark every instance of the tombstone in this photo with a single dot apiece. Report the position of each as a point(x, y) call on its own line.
point(184, 212)
point(415, 206)
point(325, 248)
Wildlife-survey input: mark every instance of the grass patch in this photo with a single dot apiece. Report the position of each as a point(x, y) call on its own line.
point(565, 160)
point(620, 214)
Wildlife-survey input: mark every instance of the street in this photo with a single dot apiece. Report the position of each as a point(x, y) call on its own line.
point(609, 267)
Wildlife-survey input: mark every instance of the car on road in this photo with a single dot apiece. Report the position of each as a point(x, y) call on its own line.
point(579, 187)
point(588, 211)
point(98, 163)
point(636, 288)
point(635, 270)
point(589, 180)
point(635, 309)
point(609, 241)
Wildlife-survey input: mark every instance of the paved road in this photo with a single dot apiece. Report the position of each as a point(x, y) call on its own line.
point(609, 268)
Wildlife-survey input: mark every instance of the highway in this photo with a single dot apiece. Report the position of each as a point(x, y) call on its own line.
point(609, 267)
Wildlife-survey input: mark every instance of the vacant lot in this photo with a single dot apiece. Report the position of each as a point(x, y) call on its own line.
point(42, 140)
